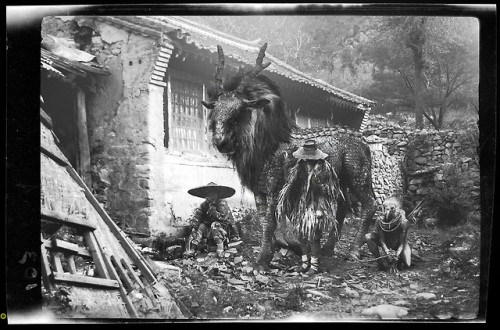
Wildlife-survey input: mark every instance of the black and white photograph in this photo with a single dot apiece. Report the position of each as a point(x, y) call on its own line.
point(250, 163)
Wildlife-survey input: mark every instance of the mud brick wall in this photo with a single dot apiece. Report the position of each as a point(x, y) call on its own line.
point(430, 161)
point(125, 130)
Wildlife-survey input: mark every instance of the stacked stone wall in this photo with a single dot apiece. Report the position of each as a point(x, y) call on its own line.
point(432, 163)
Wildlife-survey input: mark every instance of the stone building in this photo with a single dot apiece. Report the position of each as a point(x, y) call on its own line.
point(141, 135)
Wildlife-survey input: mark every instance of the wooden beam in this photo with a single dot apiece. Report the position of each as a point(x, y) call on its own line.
point(132, 273)
point(46, 119)
point(128, 303)
point(56, 262)
point(63, 245)
point(113, 227)
point(70, 258)
point(96, 254)
point(85, 280)
point(66, 219)
point(83, 138)
point(137, 280)
point(46, 271)
point(53, 156)
point(122, 274)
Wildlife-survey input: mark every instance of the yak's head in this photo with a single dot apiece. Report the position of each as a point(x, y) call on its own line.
point(245, 109)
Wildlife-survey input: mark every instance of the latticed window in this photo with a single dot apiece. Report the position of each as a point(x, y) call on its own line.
point(187, 131)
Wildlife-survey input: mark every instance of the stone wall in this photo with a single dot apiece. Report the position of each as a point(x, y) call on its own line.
point(433, 163)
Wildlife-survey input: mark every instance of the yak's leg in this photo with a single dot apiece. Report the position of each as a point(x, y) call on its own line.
point(334, 235)
point(357, 166)
point(265, 211)
point(369, 207)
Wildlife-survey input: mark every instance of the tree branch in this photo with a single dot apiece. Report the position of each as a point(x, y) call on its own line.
point(407, 81)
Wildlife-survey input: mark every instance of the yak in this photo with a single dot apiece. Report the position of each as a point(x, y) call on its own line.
point(250, 125)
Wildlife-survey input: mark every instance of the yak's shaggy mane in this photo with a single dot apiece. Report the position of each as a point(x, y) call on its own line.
point(298, 201)
point(258, 137)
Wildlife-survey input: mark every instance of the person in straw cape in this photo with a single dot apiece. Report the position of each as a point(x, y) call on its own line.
point(213, 219)
point(309, 201)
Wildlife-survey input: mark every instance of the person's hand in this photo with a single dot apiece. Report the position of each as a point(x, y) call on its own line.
point(392, 256)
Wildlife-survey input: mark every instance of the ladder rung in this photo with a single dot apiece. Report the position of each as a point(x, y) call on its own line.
point(67, 219)
point(85, 280)
point(63, 245)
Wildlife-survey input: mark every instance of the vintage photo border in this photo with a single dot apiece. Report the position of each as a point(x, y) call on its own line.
point(22, 227)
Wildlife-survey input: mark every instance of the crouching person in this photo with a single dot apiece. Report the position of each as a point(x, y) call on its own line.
point(391, 233)
point(213, 220)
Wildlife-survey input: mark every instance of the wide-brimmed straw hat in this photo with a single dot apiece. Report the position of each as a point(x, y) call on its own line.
point(212, 188)
point(309, 151)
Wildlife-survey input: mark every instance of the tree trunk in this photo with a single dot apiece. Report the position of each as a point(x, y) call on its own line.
point(415, 40)
point(419, 107)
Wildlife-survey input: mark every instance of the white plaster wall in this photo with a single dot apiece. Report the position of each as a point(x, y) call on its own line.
point(182, 175)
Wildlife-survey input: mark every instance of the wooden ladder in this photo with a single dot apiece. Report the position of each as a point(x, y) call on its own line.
point(109, 275)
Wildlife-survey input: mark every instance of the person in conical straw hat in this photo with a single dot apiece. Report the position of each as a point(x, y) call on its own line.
point(309, 200)
point(213, 219)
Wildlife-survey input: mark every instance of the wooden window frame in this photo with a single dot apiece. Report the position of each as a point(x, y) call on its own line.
point(206, 149)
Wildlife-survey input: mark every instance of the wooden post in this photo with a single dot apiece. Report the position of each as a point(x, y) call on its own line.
point(96, 254)
point(70, 258)
point(83, 138)
point(46, 271)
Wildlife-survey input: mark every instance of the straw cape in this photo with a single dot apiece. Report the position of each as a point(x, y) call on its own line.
point(300, 197)
point(309, 151)
point(212, 188)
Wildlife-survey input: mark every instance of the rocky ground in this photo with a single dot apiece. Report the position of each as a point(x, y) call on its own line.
point(442, 284)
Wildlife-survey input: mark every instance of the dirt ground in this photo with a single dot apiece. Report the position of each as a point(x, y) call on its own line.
point(441, 284)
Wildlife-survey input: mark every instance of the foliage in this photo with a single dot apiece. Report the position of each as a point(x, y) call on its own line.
point(449, 66)
point(374, 56)
point(455, 202)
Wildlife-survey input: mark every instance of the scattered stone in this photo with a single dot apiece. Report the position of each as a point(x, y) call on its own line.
point(320, 294)
point(262, 279)
point(425, 295)
point(247, 269)
point(227, 309)
point(444, 316)
point(466, 316)
point(401, 302)
point(245, 278)
point(234, 244)
point(351, 293)
point(235, 281)
point(386, 311)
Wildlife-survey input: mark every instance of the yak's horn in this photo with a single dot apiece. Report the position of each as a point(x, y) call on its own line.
point(219, 69)
point(258, 62)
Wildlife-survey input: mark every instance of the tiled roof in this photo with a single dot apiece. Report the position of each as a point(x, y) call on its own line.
point(61, 65)
point(206, 38)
